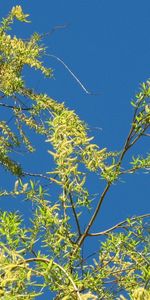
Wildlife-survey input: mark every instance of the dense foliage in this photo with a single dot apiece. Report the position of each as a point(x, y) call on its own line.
point(46, 251)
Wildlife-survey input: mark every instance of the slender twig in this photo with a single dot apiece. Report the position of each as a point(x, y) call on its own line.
point(36, 175)
point(133, 170)
point(15, 107)
point(72, 74)
point(85, 259)
point(85, 234)
point(53, 30)
point(75, 214)
point(50, 32)
point(31, 248)
point(127, 142)
point(64, 204)
point(139, 135)
point(126, 145)
point(146, 134)
point(10, 119)
point(146, 260)
point(117, 226)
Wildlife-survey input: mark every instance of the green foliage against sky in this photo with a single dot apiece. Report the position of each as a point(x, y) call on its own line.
point(46, 252)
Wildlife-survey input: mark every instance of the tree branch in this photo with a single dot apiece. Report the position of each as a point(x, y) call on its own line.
point(48, 261)
point(132, 134)
point(81, 240)
point(75, 215)
point(53, 30)
point(36, 175)
point(117, 226)
point(15, 107)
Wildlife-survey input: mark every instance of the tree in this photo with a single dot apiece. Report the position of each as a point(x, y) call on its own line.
point(45, 251)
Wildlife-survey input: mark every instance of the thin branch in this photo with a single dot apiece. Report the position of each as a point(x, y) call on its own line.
point(85, 234)
point(75, 215)
point(138, 136)
point(36, 175)
point(126, 145)
point(130, 136)
point(133, 170)
point(15, 107)
point(146, 134)
point(85, 259)
point(16, 98)
point(127, 142)
point(53, 30)
point(31, 248)
point(50, 32)
point(64, 204)
point(10, 119)
point(117, 226)
point(72, 74)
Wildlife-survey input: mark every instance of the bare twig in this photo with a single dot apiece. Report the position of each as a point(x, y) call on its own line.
point(133, 170)
point(36, 175)
point(146, 134)
point(53, 30)
point(72, 74)
point(117, 226)
point(15, 107)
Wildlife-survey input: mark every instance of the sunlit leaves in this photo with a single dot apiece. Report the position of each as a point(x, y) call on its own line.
point(47, 250)
point(141, 120)
point(15, 53)
point(141, 163)
point(17, 13)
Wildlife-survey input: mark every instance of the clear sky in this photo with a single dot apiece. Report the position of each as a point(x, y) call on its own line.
point(106, 44)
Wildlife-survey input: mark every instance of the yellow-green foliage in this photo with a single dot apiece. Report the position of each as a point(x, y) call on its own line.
point(15, 53)
point(55, 225)
point(65, 131)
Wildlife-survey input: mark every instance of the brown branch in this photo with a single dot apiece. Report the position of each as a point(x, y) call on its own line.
point(117, 226)
point(130, 136)
point(85, 234)
point(138, 136)
point(127, 142)
point(133, 170)
point(75, 215)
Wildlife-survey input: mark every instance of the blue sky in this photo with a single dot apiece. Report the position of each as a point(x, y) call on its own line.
point(106, 44)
